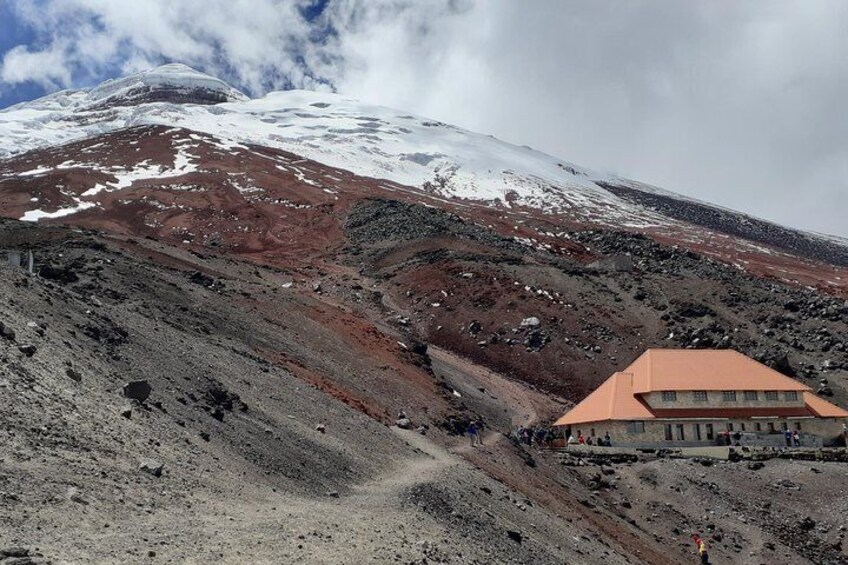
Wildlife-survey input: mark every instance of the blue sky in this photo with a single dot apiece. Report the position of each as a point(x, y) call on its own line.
point(14, 32)
point(735, 103)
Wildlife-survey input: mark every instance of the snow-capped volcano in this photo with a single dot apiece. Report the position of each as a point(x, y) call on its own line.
point(368, 140)
point(197, 118)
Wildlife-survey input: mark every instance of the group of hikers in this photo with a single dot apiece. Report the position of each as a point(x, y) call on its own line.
point(539, 436)
point(605, 441)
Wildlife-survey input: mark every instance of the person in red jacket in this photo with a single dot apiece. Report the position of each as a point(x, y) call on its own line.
point(701, 546)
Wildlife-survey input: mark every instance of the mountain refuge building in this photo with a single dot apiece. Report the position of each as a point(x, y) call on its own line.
point(688, 397)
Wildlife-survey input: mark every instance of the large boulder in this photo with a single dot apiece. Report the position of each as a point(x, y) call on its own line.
point(137, 390)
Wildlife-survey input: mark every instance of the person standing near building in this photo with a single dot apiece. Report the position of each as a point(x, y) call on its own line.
point(788, 437)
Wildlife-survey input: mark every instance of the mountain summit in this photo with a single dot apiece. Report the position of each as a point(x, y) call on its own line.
point(420, 155)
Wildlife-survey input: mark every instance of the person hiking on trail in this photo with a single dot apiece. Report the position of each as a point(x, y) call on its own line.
point(472, 433)
point(479, 432)
point(527, 436)
point(701, 547)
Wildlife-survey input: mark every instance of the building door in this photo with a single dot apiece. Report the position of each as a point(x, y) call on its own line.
point(710, 432)
point(668, 436)
point(697, 429)
point(680, 433)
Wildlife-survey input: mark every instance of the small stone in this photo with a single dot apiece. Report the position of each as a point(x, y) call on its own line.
point(126, 412)
point(151, 553)
point(404, 423)
point(28, 350)
point(204, 436)
point(321, 428)
point(514, 535)
point(6, 332)
point(333, 494)
point(14, 552)
point(531, 322)
point(151, 466)
point(73, 374)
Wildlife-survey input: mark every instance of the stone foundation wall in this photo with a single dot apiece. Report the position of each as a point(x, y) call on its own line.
point(814, 432)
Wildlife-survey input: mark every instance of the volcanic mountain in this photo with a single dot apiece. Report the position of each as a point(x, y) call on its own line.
point(290, 273)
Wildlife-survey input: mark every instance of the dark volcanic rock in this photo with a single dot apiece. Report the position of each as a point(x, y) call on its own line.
point(64, 275)
point(137, 390)
point(736, 224)
point(6, 332)
point(73, 374)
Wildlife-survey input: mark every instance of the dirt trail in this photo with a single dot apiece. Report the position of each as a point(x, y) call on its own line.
point(407, 473)
point(501, 402)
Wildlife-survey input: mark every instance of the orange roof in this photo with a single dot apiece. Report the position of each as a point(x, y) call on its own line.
point(619, 397)
point(613, 400)
point(822, 408)
point(704, 369)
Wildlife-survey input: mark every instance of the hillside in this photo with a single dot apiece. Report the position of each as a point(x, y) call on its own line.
point(289, 274)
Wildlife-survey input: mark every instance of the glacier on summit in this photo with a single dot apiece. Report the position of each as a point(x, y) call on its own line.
point(368, 140)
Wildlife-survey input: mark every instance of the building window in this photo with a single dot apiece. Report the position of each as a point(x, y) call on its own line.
point(785, 426)
point(797, 426)
point(697, 429)
point(730, 426)
point(668, 436)
point(699, 395)
point(742, 426)
point(771, 395)
point(790, 395)
point(728, 396)
point(669, 396)
point(771, 427)
point(710, 432)
point(636, 427)
point(758, 426)
point(751, 395)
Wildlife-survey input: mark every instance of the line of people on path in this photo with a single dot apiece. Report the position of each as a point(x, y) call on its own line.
point(539, 436)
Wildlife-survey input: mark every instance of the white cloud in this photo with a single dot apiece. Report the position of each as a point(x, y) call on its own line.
point(737, 103)
point(47, 68)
